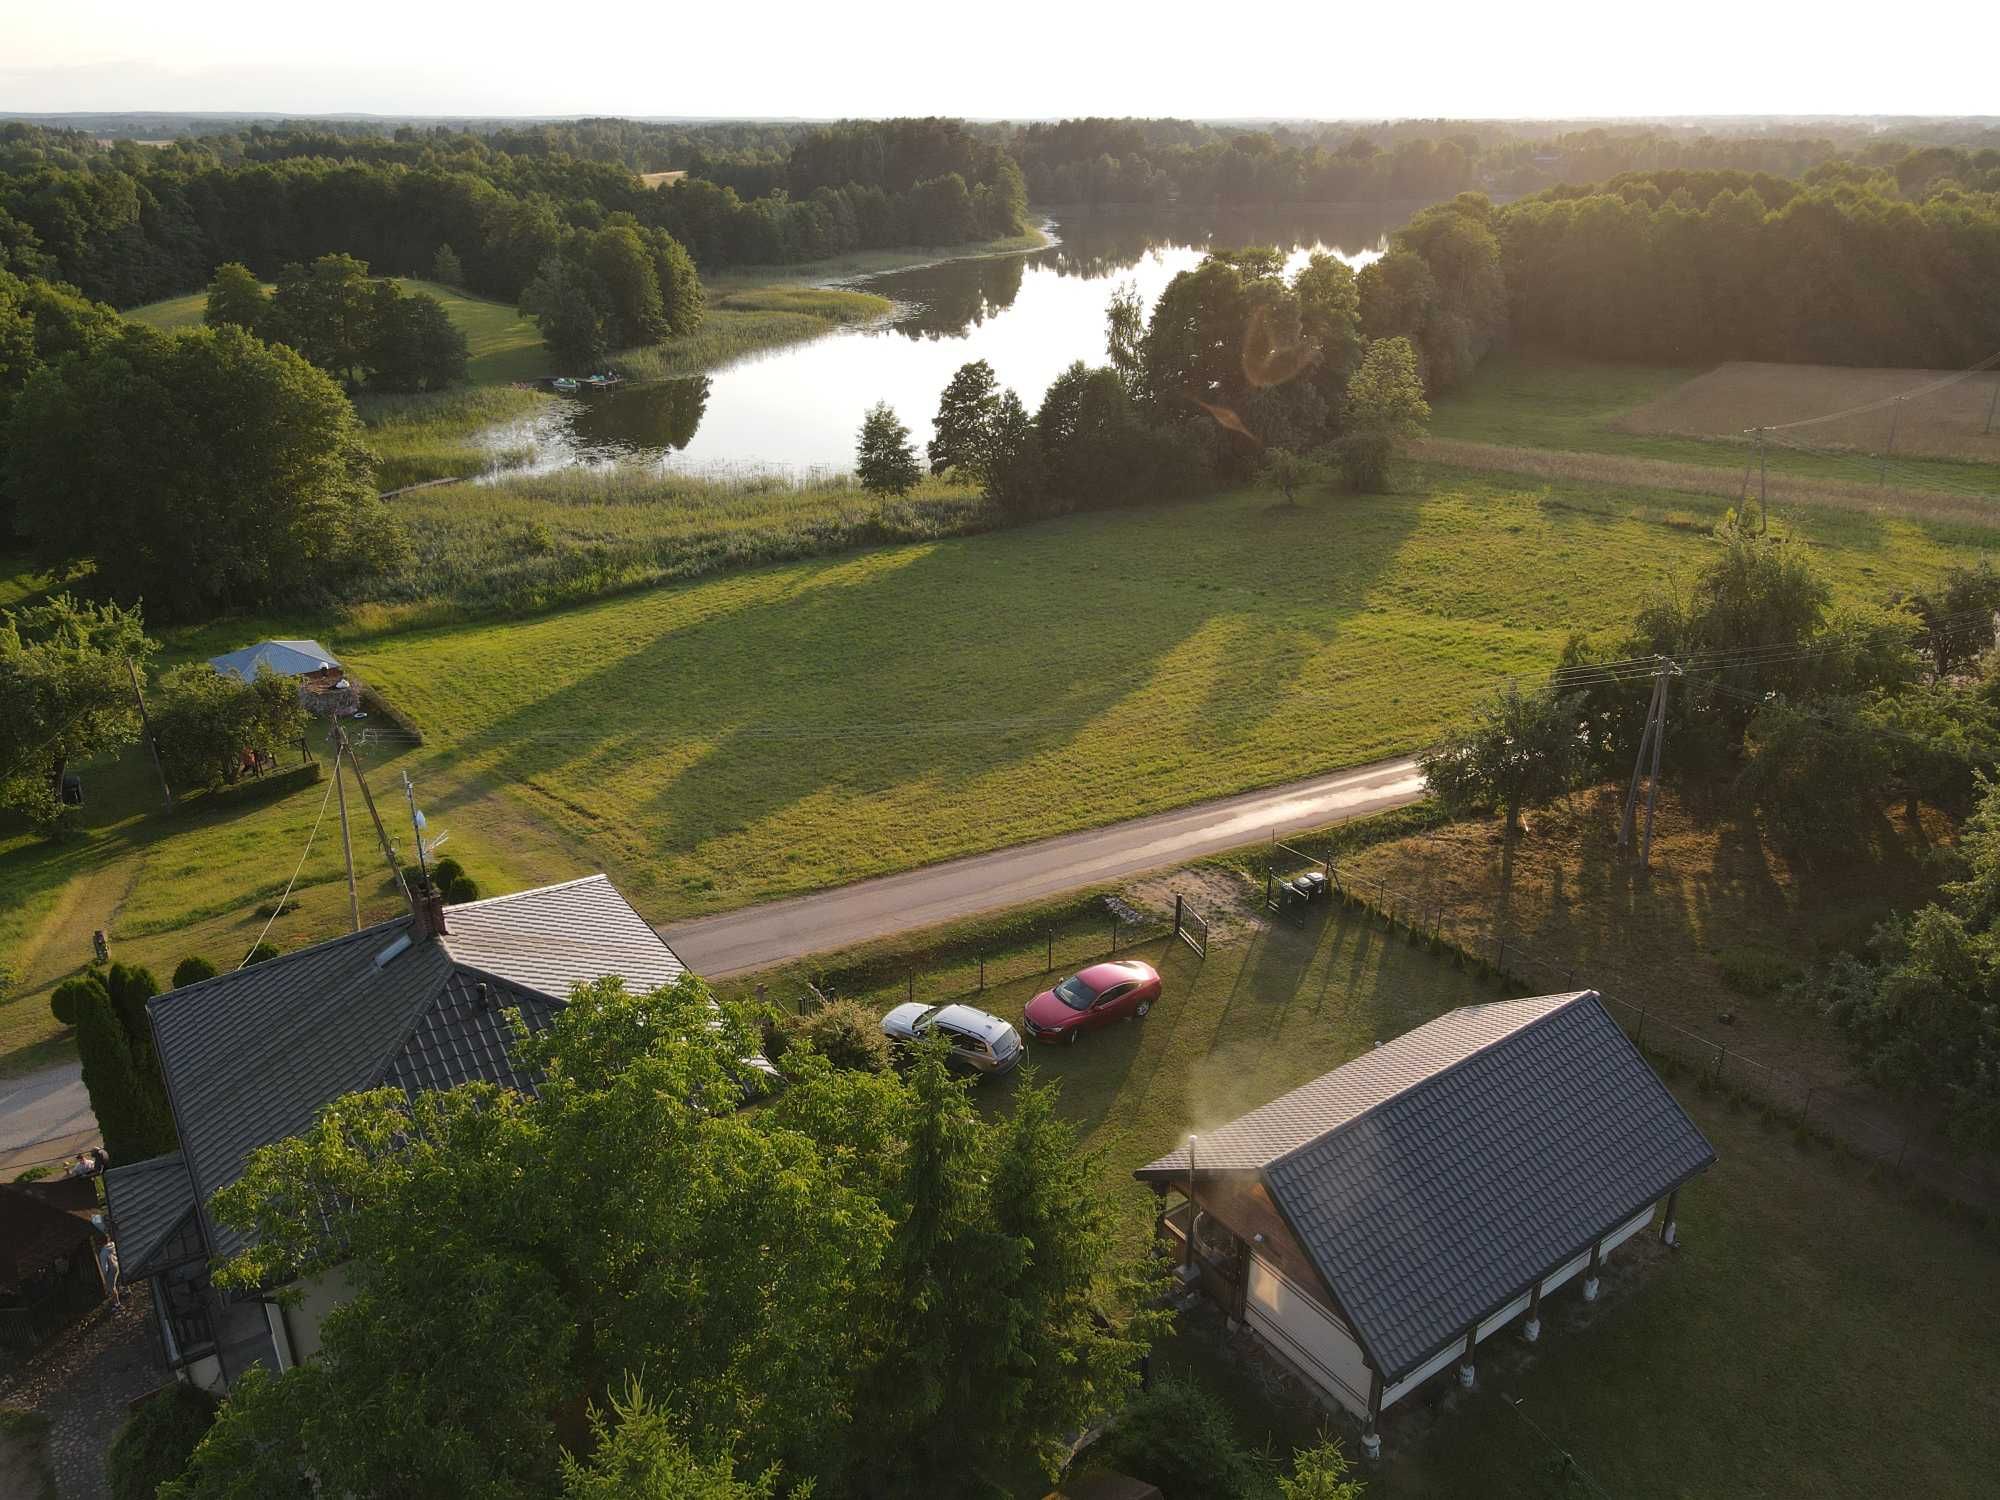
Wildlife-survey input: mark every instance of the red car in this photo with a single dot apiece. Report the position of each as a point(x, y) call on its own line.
point(1101, 994)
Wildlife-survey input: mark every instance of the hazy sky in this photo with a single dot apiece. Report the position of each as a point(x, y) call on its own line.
point(1285, 59)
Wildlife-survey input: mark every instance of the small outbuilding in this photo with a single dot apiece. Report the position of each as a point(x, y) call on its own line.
point(1374, 1225)
point(48, 1258)
point(324, 687)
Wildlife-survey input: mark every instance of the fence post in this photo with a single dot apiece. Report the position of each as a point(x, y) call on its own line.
point(910, 985)
point(1640, 1037)
point(1177, 914)
point(1052, 951)
point(982, 973)
point(1114, 935)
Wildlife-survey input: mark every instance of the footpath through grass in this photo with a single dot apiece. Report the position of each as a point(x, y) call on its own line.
point(780, 730)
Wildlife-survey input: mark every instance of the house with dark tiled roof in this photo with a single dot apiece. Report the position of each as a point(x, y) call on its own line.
point(1374, 1225)
point(250, 1057)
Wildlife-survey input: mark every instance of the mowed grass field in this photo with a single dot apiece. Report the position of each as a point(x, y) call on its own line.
point(1913, 409)
point(774, 731)
point(1749, 1364)
point(1693, 417)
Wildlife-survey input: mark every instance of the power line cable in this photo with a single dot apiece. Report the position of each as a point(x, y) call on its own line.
point(1862, 410)
point(280, 904)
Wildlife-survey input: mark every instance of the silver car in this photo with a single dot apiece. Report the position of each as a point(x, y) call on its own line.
point(979, 1041)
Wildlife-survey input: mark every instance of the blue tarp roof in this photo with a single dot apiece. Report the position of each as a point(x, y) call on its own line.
point(286, 658)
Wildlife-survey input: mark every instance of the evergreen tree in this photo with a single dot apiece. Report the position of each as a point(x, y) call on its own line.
point(445, 267)
point(127, 1102)
point(885, 459)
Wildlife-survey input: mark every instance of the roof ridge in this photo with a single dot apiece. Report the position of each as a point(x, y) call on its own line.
point(1569, 999)
point(324, 945)
point(533, 890)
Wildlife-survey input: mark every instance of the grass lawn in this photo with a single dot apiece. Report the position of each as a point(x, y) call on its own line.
point(1528, 399)
point(165, 885)
point(1756, 1362)
point(778, 730)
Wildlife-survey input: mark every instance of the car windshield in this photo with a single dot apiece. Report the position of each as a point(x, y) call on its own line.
point(1074, 993)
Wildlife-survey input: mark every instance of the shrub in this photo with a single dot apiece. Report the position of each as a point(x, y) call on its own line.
point(1750, 969)
point(461, 890)
point(445, 871)
point(192, 970)
point(1178, 1437)
point(260, 953)
point(67, 1003)
point(844, 1032)
point(156, 1441)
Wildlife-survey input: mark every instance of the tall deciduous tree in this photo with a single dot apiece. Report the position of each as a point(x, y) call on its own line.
point(325, 311)
point(65, 694)
point(964, 425)
point(907, 1253)
point(206, 721)
point(1523, 750)
point(885, 461)
point(236, 298)
point(199, 471)
point(1385, 404)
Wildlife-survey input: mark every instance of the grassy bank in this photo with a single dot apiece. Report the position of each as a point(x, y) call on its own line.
point(778, 730)
point(526, 546)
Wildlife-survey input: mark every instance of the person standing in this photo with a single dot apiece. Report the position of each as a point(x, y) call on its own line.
point(107, 1267)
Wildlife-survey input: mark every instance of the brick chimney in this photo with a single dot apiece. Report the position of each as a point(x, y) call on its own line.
point(429, 914)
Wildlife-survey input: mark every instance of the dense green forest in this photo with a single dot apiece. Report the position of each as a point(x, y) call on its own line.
point(127, 224)
point(1100, 161)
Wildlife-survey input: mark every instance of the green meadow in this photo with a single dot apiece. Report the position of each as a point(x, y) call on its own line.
point(775, 730)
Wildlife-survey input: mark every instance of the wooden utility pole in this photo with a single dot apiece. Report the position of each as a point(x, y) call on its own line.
point(1992, 402)
point(1653, 785)
point(1639, 766)
point(346, 840)
point(1649, 750)
point(381, 833)
point(1895, 415)
point(146, 723)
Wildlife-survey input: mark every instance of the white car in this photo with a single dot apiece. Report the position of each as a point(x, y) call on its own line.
point(979, 1041)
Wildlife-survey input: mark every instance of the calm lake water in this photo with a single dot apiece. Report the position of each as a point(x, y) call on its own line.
point(796, 410)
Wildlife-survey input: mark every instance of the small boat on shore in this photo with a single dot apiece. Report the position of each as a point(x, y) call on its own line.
point(563, 385)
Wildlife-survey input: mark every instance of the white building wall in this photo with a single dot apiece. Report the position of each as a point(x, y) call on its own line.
point(1298, 1328)
point(317, 1298)
point(1567, 1271)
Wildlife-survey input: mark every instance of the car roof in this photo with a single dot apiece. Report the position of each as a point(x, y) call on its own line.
point(1102, 976)
point(977, 1022)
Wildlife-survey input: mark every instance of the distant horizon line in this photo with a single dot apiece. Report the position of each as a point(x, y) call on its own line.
point(576, 116)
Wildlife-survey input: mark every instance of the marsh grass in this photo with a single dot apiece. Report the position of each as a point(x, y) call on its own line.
point(528, 545)
point(438, 435)
point(749, 322)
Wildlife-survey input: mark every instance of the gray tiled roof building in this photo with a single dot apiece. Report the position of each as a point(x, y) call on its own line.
point(1436, 1178)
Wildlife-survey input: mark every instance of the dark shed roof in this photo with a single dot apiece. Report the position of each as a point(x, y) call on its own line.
point(34, 1234)
point(1437, 1177)
point(251, 1056)
point(147, 1201)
